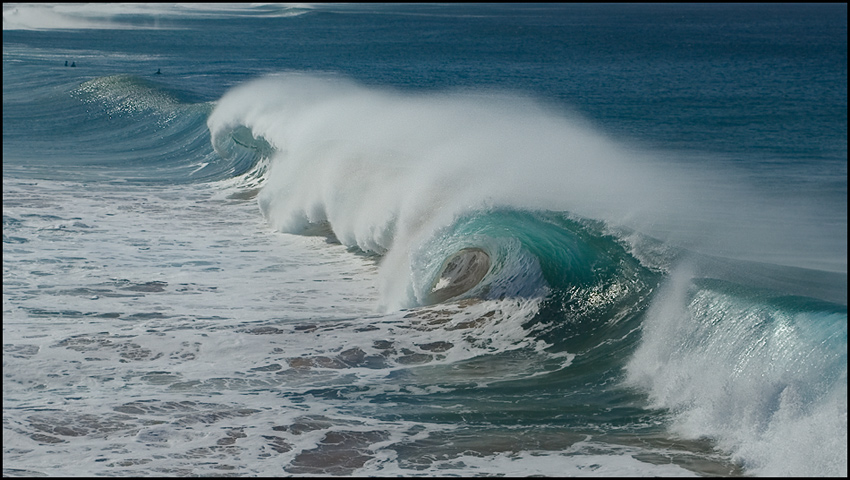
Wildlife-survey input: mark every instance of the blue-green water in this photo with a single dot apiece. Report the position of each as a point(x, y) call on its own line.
point(425, 239)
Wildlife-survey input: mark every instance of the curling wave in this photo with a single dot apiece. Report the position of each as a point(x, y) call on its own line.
point(387, 172)
point(420, 181)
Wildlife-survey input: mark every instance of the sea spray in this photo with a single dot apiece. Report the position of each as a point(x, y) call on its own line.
point(386, 170)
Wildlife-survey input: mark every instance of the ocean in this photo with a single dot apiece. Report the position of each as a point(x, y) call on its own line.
point(419, 240)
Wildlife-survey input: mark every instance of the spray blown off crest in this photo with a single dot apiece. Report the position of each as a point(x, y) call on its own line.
point(388, 171)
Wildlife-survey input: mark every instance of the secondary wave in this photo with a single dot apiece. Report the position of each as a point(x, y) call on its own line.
point(765, 374)
point(131, 16)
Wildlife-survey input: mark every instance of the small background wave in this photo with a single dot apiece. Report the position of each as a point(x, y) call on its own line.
point(131, 16)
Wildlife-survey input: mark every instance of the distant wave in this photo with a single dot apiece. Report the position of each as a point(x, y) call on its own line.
point(131, 16)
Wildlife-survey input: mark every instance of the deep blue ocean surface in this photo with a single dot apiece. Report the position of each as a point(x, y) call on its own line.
point(261, 239)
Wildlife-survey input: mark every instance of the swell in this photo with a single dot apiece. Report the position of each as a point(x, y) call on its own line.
point(115, 128)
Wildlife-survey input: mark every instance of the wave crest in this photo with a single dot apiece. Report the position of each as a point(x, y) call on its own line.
point(388, 171)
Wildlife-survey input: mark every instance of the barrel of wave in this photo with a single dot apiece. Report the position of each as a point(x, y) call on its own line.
point(510, 253)
point(461, 272)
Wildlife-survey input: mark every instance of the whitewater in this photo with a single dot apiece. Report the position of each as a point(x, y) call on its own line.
point(376, 257)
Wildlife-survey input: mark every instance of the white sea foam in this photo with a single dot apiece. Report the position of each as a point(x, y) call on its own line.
point(174, 333)
point(576, 463)
point(767, 384)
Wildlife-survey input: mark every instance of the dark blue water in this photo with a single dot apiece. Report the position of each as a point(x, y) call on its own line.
point(425, 239)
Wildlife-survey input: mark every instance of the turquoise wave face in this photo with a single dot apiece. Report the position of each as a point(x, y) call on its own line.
point(503, 253)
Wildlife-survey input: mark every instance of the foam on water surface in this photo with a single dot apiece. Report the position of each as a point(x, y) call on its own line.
point(140, 337)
